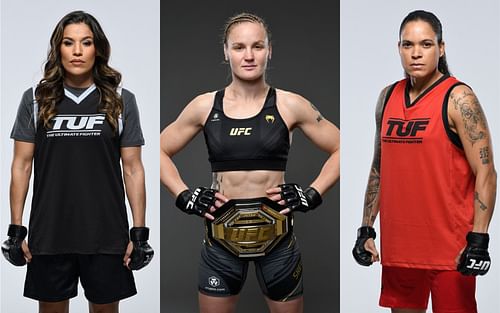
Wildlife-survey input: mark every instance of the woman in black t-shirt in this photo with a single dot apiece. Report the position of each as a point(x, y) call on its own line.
point(76, 127)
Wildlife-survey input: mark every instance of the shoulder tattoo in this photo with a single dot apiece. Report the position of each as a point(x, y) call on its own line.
point(472, 115)
point(319, 118)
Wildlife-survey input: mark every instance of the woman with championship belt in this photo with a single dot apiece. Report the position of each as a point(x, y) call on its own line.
point(248, 209)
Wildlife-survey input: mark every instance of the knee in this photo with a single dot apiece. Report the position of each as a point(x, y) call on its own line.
point(103, 308)
point(53, 307)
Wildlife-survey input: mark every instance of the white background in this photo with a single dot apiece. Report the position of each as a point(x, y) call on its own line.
point(133, 29)
point(369, 62)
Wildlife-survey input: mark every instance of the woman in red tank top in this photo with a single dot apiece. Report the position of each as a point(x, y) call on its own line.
point(432, 180)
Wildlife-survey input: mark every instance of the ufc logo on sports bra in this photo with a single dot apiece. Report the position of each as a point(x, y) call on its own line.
point(76, 125)
point(481, 265)
point(405, 131)
point(240, 131)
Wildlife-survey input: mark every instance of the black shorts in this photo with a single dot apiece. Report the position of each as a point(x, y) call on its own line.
point(52, 278)
point(279, 273)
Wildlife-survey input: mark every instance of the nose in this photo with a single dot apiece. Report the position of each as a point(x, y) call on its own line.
point(77, 50)
point(249, 54)
point(416, 52)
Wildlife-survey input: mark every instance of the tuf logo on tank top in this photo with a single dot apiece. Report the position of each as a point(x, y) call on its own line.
point(77, 125)
point(405, 131)
point(240, 131)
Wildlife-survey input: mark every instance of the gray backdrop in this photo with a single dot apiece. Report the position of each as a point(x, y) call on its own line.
point(132, 28)
point(305, 60)
point(369, 62)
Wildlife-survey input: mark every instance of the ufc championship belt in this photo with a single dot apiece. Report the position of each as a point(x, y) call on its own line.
point(249, 227)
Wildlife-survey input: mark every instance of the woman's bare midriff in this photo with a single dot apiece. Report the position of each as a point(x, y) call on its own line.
point(246, 184)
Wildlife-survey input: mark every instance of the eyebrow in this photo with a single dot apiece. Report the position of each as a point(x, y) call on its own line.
point(253, 43)
point(84, 38)
point(410, 41)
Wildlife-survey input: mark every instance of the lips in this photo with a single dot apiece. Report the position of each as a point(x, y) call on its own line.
point(77, 62)
point(249, 67)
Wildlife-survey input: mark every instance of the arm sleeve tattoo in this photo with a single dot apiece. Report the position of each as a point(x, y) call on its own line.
point(472, 115)
point(370, 209)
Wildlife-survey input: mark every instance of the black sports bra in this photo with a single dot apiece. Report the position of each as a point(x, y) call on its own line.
point(260, 142)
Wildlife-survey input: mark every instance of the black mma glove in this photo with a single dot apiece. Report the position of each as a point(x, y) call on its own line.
point(142, 253)
point(359, 252)
point(475, 259)
point(11, 248)
point(298, 200)
point(197, 202)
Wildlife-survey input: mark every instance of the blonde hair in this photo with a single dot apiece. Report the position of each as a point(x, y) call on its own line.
point(241, 18)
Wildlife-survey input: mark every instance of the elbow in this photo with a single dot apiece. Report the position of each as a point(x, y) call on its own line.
point(488, 179)
point(133, 170)
point(493, 178)
point(21, 168)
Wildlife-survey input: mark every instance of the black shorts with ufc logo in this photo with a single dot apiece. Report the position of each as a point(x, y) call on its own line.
point(279, 273)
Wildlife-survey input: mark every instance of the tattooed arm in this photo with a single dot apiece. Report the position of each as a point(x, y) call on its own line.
point(371, 208)
point(298, 112)
point(467, 119)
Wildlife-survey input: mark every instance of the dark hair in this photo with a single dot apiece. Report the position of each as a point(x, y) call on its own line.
point(50, 90)
point(433, 21)
point(241, 18)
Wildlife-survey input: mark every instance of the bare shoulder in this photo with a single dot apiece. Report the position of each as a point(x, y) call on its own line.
point(466, 115)
point(202, 102)
point(198, 109)
point(294, 108)
point(463, 100)
point(461, 91)
point(291, 100)
point(382, 98)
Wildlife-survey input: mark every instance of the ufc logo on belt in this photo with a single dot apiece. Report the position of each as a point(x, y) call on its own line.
point(238, 131)
point(481, 265)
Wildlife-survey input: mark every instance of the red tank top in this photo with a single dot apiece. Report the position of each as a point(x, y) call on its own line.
point(426, 183)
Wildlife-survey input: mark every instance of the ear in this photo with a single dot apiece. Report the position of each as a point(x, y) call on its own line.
point(226, 58)
point(441, 49)
point(270, 52)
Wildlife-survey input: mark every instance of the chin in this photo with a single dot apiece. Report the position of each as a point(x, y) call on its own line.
point(250, 78)
point(78, 73)
point(419, 74)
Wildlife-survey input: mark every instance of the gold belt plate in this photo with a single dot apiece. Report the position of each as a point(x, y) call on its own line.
point(249, 227)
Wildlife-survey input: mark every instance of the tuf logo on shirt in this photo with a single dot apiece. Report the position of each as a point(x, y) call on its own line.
point(405, 131)
point(76, 125)
point(238, 131)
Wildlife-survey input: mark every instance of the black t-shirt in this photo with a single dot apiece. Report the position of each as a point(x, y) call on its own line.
point(78, 203)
